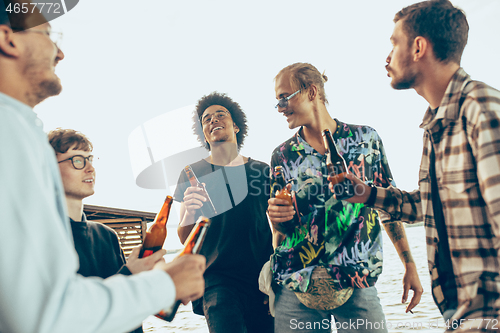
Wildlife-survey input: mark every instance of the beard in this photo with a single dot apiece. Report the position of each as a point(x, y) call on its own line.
point(48, 88)
point(44, 82)
point(408, 76)
point(405, 82)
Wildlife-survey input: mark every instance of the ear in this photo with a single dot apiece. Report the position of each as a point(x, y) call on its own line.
point(236, 128)
point(8, 42)
point(420, 48)
point(312, 92)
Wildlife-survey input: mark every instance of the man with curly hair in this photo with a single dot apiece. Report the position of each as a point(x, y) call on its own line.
point(238, 242)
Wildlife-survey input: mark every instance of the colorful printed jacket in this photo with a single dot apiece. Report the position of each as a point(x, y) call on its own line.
point(344, 238)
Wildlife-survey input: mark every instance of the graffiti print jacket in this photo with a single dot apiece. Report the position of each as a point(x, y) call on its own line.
point(344, 238)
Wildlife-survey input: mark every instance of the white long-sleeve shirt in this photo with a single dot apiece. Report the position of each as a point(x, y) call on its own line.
point(39, 288)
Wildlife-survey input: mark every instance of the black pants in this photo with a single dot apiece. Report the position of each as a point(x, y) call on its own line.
point(228, 309)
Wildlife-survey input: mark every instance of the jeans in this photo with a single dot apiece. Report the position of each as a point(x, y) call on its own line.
point(361, 313)
point(230, 310)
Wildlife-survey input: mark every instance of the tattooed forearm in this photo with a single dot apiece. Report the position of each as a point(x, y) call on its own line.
point(395, 230)
point(406, 257)
point(397, 234)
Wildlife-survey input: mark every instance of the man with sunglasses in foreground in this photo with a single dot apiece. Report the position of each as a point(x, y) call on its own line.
point(97, 245)
point(331, 253)
point(39, 285)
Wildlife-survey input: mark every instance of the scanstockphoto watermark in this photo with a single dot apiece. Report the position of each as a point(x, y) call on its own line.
point(362, 324)
point(326, 324)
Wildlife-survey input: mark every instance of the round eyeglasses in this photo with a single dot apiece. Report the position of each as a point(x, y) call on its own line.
point(55, 37)
point(79, 162)
point(283, 103)
point(219, 115)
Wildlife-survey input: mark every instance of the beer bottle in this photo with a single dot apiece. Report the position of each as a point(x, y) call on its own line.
point(193, 180)
point(280, 191)
point(337, 168)
point(191, 246)
point(155, 236)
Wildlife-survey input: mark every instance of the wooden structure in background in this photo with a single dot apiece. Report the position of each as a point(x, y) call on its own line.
point(130, 225)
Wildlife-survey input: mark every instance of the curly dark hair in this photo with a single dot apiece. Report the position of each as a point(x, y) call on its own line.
point(444, 25)
point(237, 114)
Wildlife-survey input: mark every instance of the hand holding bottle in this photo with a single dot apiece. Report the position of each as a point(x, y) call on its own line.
point(361, 190)
point(194, 198)
point(208, 207)
point(192, 245)
point(136, 265)
point(337, 169)
point(155, 236)
point(281, 211)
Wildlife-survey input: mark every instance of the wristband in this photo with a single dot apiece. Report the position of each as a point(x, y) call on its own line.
point(373, 195)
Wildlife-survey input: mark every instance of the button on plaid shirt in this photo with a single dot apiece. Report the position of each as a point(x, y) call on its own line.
point(465, 135)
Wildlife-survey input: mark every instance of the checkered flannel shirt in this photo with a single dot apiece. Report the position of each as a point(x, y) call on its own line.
point(465, 134)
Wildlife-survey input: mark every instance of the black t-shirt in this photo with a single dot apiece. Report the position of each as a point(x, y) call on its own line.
point(239, 240)
point(98, 249)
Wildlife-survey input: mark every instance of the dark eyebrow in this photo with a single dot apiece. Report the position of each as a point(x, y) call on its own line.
point(220, 110)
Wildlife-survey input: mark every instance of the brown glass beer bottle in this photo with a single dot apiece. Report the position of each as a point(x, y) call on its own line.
point(155, 236)
point(337, 168)
point(208, 209)
point(280, 191)
point(192, 245)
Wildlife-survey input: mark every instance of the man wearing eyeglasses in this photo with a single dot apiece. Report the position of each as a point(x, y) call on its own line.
point(97, 245)
point(41, 290)
point(331, 257)
point(238, 242)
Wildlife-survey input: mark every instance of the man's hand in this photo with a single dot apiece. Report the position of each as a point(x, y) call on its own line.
point(194, 197)
point(361, 190)
point(136, 265)
point(279, 211)
point(411, 281)
point(187, 273)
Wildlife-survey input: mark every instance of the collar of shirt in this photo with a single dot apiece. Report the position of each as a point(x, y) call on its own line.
point(84, 218)
point(22, 109)
point(450, 104)
point(301, 143)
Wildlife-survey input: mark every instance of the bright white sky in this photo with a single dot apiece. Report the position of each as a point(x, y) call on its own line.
point(128, 62)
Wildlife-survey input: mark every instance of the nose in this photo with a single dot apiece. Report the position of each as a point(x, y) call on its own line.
point(60, 54)
point(89, 168)
point(282, 109)
point(388, 59)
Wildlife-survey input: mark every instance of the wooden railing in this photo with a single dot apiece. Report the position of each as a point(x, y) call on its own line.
point(129, 225)
point(130, 232)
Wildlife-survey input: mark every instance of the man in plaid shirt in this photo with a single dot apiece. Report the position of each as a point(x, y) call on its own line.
point(459, 179)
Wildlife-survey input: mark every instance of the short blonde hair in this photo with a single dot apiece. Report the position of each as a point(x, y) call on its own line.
point(303, 75)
